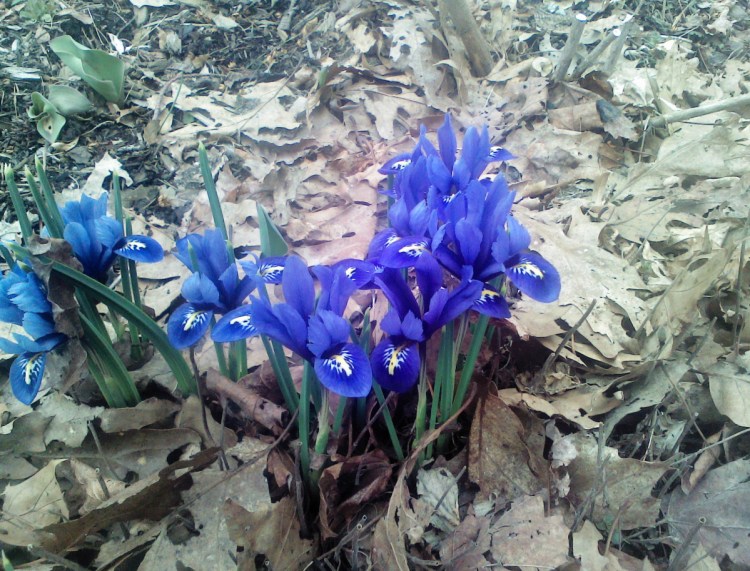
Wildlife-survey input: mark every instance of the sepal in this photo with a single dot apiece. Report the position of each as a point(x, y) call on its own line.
point(395, 366)
point(396, 164)
point(139, 249)
point(534, 276)
point(492, 303)
point(187, 325)
point(234, 326)
point(345, 370)
point(403, 253)
point(26, 374)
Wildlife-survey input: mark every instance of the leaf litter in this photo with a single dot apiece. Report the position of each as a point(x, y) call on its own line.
point(577, 462)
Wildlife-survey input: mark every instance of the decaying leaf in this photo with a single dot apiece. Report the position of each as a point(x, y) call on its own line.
point(500, 460)
point(716, 511)
point(619, 489)
point(439, 490)
point(271, 531)
point(346, 486)
point(524, 536)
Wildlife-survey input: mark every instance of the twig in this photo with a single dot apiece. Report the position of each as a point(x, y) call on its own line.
point(255, 407)
point(617, 47)
point(285, 24)
point(570, 48)
point(729, 104)
point(56, 559)
point(565, 339)
point(477, 48)
point(372, 420)
point(738, 287)
point(590, 59)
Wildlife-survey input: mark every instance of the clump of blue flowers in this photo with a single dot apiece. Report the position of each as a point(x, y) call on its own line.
point(444, 213)
point(23, 302)
point(97, 238)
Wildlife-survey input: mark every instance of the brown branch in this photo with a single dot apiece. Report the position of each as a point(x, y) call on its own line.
point(263, 411)
point(477, 48)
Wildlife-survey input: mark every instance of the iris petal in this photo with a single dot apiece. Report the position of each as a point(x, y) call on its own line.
point(139, 249)
point(235, 325)
point(272, 269)
point(395, 366)
point(492, 303)
point(26, 374)
point(403, 253)
point(498, 153)
point(345, 371)
point(534, 276)
point(396, 164)
point(187, 325)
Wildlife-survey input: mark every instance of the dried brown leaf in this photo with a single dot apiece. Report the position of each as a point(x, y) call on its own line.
point(621, 486)
point(500, 460)
point(525, 537)
point(347, 486)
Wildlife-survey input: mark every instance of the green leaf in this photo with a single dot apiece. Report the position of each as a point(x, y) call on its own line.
point(7, 565)
point(18, 206)
point(103, 72)
point(68, 101)
point(49, 122)
point(145, 324)
point(271, 241)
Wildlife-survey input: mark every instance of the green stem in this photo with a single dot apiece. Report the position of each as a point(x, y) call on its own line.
point(324, 426)
point(419, 423)
point(213, 197)
point(338, 419)
point(111, 363)
point(388, 421)
point(303, 421)
point(471, 359)
point(277, 357)
point(49, 196)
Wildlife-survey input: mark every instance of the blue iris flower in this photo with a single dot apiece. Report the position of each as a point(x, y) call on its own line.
point(97, 239)
point(214, 287)
point(411, 221)
point(319, 334)
point(448, 174)
point(23, 301)
point(396, 359)
point(481, 233)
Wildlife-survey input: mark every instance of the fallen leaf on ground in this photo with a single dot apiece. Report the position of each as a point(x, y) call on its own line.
point(719, 507)
point(525, 537)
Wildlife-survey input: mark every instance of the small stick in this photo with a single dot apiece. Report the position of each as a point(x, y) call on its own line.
point(617, 47)
point(729, 104)
point(570, 48)
point(548, 362)
point(477, 47)
point(590, 59)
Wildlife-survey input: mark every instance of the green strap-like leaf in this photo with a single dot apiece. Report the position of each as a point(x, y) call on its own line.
point(145, 324)
point(271, 241)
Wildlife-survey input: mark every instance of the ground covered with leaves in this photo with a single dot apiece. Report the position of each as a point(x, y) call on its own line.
point(607, 430)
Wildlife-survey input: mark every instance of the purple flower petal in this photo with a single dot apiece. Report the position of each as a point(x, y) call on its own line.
point(26, 374)
point(395, 366)
point(534, 276)
point(345, 370)
point(139, 249)
point(234, 326)
point(187, 325)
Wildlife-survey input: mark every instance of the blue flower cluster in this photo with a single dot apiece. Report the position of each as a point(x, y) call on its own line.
point(444, 221)
point(97, 239)
point(23, 301)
